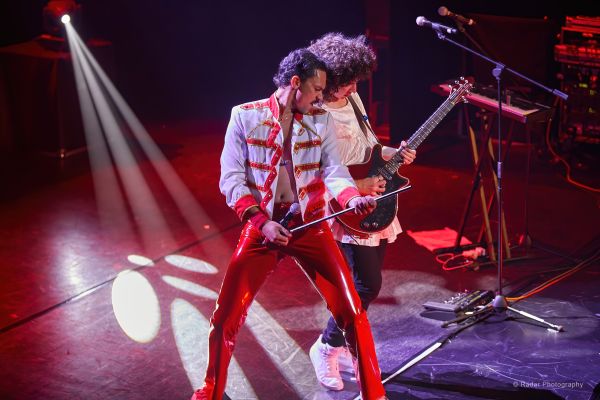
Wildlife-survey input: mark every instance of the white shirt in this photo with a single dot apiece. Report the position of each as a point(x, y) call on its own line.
point(354, 148)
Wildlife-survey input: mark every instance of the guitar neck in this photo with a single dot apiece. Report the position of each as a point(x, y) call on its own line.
point(421, 134)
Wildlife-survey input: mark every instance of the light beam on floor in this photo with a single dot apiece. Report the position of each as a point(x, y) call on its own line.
point(287, 356)
point(191, 264)
point(190, 329)
point(140, 260)
point(190, 287)
point(135, 305)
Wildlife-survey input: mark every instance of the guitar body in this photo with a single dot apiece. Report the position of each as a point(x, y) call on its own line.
point(386, 209)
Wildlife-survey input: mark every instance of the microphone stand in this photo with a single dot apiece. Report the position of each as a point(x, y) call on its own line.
point(499, 304)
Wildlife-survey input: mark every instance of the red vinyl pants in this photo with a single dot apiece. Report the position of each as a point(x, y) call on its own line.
point(319, 256)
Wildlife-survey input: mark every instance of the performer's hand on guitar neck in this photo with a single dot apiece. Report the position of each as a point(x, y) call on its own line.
point(363, 205)
point(408, 155)
point(275, 233)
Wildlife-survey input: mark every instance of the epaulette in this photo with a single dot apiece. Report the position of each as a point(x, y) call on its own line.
point(255, 105)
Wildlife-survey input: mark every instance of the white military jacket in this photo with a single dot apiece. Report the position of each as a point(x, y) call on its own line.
point(253, 149)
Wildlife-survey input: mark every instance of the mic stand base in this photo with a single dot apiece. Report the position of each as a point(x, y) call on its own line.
point(497, 311)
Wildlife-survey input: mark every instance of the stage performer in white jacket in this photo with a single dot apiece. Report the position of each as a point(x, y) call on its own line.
point(280, 151)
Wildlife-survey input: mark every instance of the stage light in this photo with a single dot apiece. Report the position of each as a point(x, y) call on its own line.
point(58, 13)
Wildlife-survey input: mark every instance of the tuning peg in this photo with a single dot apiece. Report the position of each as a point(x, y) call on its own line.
point(449, 86)
point(456, 82)
point(462, 78)
point(466, 101)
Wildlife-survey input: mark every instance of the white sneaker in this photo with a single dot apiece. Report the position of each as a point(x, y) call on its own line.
point(345, 361)
point(324, 359)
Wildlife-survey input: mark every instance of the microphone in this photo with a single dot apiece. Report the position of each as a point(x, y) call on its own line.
point(294, 210)
point(422, 21)
point(444, 12)
point(287, 218)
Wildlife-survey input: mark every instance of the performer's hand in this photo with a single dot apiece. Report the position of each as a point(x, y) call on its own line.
point(408, 155)
point(364, 205)
point(275, 233)
point(372, 185)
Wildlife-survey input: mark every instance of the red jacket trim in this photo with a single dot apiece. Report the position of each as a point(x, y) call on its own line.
point(299, 169)
point(311, 188)
point(346, 195)
point(243, 204)
point(258, 142)
point(260, 188)
point(306, 145)
point(254, 105)
point(273, 106)
point(257, 165)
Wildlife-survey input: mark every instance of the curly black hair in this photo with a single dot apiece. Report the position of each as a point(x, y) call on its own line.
point(348, 59)
point(299, 62)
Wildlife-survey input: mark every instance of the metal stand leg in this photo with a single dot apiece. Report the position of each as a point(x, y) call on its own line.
point(557, 328)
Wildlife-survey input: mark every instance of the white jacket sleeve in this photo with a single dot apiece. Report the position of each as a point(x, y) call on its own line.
point(233, 182)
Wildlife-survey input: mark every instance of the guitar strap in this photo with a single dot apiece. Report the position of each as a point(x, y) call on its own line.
point(362, 119)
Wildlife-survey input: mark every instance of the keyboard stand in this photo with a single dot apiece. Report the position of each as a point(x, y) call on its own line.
point(527, 114)
point(482, 157)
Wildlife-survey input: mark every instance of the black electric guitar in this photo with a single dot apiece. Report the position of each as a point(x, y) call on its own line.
point(386, 209)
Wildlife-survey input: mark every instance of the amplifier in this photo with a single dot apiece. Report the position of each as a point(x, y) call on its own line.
point(579, 42)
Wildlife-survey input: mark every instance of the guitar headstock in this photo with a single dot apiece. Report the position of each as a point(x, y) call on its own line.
point(459, 90)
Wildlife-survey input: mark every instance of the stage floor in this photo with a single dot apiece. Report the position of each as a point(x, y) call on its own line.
point(73, 325)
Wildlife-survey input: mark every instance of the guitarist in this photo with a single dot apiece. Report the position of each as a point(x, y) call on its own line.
point(348, 61)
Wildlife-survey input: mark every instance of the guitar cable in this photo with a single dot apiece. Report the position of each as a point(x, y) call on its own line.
point(561, 159)
point(447, 260)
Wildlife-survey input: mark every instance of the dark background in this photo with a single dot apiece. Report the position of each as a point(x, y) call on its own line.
point(182, 59)
point(523, 40)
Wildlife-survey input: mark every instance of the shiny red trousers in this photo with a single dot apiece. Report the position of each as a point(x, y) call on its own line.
point(319, 256)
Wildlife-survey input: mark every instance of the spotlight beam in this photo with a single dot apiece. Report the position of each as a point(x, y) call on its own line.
point(186, 202)
point(153, 227)
point(109, 200)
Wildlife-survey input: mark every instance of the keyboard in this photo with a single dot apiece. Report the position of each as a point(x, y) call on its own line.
point(519, 109)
